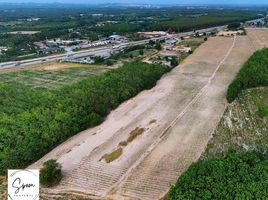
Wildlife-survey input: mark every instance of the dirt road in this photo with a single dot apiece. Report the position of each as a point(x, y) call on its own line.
point(178, 117)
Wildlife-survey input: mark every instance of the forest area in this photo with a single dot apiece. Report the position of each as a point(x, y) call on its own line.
point(33, 121)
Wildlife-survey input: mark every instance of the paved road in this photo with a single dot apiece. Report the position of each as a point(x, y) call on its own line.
point(93, 51)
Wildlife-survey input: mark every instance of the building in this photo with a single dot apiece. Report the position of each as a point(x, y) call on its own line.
point(117, 39)
point(170, 41)
point(183, 49)
point(168, 55)
point(152, 34)
point(49, 50)
point(3, 50)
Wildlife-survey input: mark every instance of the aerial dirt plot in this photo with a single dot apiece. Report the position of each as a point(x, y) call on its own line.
point(152, 138)
point(258, 37)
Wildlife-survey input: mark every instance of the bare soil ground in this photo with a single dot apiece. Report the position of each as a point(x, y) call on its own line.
point(186, 106)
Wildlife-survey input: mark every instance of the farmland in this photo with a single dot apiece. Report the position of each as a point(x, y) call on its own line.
point(51, 79)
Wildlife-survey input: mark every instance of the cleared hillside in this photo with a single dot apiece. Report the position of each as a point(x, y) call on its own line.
point(234, 165)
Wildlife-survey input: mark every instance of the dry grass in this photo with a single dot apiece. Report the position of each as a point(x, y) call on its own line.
point(112, 156)
point(3, 187)
point(132, 135)
point(152, 121)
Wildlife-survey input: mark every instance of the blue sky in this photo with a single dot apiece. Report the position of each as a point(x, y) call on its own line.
point(256, 2)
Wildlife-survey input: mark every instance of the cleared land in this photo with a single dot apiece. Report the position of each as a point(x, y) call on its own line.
point(179, 103)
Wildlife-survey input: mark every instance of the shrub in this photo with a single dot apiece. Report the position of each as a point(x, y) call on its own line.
point(50, 174)
point(263, 111)
point(174, 62)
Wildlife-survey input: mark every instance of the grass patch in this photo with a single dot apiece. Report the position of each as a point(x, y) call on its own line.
point(132, 135)
point(263, 111)
point(110, 157)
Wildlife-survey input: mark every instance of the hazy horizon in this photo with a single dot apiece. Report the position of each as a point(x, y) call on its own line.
point(177, 2)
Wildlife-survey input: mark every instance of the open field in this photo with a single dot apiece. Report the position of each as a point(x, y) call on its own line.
point(50, 76)
point(177, 137)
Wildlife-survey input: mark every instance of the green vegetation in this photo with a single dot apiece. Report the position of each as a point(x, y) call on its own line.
point(254, 73)
point(50, 174)
point(174, 62)
point(196, 22)
point(233, 26)
point(263, 111)
point(32, 121)
point(235, 175)
point(110, 157)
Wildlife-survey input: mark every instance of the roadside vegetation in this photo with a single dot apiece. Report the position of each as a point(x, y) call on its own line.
point(234, 164)
point(33, 121)
point(254, 73)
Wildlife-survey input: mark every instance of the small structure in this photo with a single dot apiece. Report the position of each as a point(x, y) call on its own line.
point(183, 49)
point(170, 31)
point(152, 34)
point(49, 50)
point(3, 50)
point(168, 55)
point(170, 41)
point(117, 39)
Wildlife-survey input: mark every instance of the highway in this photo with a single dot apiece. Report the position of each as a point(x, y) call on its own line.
point(96, 51)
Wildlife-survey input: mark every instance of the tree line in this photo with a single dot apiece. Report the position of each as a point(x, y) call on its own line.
point(32, 121)
point(254, 73)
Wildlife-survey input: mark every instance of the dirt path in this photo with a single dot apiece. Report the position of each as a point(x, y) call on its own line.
point(185, 108)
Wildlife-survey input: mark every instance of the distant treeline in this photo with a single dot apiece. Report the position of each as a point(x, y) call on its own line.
point(180, 24)
point(32, 121)
point(254, 73)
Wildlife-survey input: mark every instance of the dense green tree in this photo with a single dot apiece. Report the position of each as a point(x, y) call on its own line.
point(254, 73)
point(235, 175)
